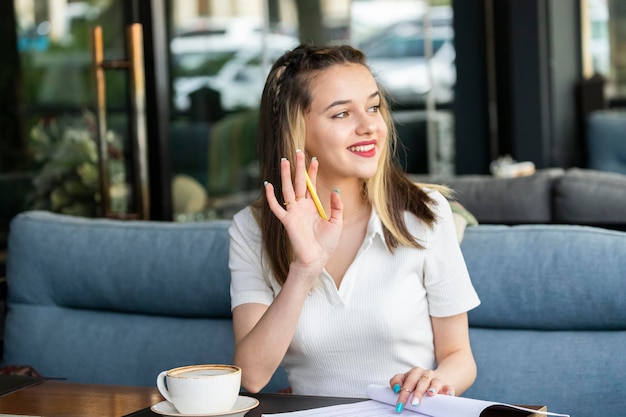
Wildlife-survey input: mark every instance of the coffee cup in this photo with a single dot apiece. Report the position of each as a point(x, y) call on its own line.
point(201, 389)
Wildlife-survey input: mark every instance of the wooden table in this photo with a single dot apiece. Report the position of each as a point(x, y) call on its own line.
point(52, 398)
point(64, 399)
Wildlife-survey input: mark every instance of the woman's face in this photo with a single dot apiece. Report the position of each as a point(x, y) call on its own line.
point(344, 128)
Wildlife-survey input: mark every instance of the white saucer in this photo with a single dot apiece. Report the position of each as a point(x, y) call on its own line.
point(242, 405)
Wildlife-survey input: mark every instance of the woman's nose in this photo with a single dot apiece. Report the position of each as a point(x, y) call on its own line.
point(366, 124)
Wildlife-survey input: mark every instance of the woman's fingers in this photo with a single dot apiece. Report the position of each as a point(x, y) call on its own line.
point(272, 201)
point(289, 194)
point(399, 387)
point(336, 207)
point(294, 190)
point(300, 177)
point(313, 168)
point(412, 386)
point(294, 193)
point(423, 385)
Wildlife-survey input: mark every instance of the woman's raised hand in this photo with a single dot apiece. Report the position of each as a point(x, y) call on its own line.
point(313, 239)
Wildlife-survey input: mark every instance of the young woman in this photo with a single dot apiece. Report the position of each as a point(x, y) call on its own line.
point(379, 292)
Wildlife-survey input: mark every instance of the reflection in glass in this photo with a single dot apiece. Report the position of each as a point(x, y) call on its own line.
point(220, 61)
point(596, 42)
point(58, 104)
point(410, 48)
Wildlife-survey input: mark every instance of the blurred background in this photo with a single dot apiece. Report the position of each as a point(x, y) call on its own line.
point(163, 125)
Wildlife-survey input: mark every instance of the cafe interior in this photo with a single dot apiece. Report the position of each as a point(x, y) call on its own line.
point(128, 140)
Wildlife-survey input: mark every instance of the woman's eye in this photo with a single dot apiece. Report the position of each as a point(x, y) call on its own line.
point(375, 109)
point(341, 115)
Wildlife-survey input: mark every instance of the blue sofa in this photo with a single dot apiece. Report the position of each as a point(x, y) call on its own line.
point(115, 302)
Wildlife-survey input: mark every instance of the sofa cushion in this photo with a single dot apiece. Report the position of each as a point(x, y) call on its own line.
point(116, 302)
point(503, 200)
point(552, 321)
point(592, 197)
point(106, 347)
point(535, 276)
point(127, 266)
point(562, 370)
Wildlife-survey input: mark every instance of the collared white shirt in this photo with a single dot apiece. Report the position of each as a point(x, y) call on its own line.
point(377, 323)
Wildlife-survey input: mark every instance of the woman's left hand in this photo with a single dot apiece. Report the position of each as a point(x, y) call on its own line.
point(416, 383)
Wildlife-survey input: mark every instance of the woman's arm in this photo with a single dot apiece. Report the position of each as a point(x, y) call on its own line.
point(456, 368)
point(263, 333)
point(456, 365)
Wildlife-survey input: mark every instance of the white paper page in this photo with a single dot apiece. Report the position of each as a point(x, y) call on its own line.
point(383, 402)
point(439, 405)
point(368, 408)
point(443, 405)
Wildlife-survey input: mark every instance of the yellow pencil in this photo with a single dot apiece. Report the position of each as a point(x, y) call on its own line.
point(316, 199)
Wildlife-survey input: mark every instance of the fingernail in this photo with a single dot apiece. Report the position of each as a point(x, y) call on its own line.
point(432, 391)
point(283, 159)
point(399, 407)
point(451, 393)
point(264, 183)
point(298, 150)
point(314, 159)
point(415, 402)
point(396, 388)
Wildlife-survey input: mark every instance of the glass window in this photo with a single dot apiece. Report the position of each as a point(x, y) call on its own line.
point(410, 48)
point(603, 40)
point(58, 109)
point(596, 37)
point(221, 55)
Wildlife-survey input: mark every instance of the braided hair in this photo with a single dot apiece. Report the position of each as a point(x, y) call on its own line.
point(285, 100)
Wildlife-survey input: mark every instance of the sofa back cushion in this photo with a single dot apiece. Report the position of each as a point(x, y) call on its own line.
point(551, 327)
point(585, 196)
point(116, 302)
point(161, 268)
point(493, 200)
point(547, 277)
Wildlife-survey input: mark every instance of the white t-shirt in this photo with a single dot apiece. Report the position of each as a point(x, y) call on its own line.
point(377, 323)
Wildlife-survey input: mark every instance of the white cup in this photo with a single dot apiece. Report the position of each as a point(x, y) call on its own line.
point(201, 389)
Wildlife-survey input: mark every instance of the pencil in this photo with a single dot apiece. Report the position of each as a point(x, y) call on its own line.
point(316, 199)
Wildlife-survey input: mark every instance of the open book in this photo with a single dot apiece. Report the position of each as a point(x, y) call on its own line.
point(448, 406)
point(383, 403)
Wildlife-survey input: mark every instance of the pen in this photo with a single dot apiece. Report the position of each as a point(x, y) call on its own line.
point(316, 199)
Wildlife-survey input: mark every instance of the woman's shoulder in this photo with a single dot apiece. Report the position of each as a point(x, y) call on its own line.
point(245, 222)
point(439, 195)
point(435, 191)
point(438, 203)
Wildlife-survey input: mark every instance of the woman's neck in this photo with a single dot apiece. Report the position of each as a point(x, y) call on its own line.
point(351, 193)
